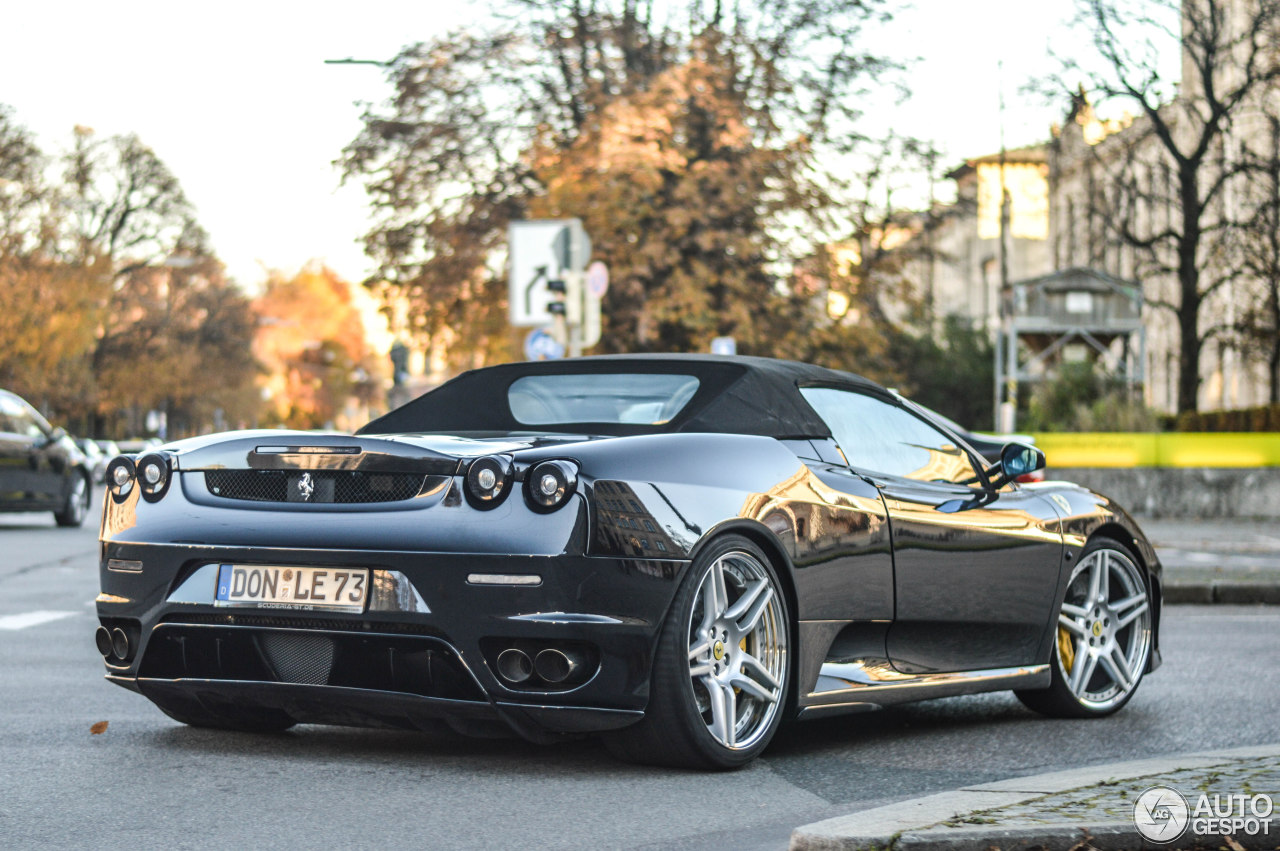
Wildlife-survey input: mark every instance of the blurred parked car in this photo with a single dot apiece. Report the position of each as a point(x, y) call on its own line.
point(138, 444)
point(109, 448)
point(95, 458)
point(41, 468)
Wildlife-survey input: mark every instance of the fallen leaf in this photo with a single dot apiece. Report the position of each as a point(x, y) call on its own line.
point(99, 728)
point(1085, 844)
point(1232, 844)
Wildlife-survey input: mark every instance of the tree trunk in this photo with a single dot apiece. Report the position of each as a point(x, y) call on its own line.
point(1275, 374)
point(1189, 284)
point(1188, 356)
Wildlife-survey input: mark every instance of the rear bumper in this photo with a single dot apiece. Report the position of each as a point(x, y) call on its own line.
point(312, 704)
point(423, 652)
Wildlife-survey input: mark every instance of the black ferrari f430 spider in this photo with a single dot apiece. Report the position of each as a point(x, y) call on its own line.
point(678, 553)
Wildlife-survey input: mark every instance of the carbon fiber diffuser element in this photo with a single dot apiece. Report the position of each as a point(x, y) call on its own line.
point(299, 658)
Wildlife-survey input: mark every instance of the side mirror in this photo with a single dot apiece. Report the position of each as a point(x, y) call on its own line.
point(1016, 459)
point(50, 438)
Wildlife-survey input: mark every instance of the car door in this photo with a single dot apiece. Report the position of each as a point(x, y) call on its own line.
point(13, 456)
point(33, 464)
point(975, 569)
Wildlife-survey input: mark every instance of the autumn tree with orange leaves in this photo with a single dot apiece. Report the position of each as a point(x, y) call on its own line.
point(111, 302)
point(311, 340)
point(705, 159)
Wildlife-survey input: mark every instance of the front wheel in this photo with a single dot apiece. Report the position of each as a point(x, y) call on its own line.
point(1103, 636)
point(76, 507)
point(720, 676)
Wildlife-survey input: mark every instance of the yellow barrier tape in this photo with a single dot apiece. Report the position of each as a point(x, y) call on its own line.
point(1174, 449)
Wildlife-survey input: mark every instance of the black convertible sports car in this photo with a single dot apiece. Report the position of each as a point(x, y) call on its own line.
point(677, 552)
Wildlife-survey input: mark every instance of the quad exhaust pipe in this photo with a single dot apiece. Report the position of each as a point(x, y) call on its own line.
point(112, 642)
point(514, 665)
point(102, 638)
point(551, 665)
point(556, 666)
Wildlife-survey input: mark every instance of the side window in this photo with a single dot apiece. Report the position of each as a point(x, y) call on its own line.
point(8, 423)
point(23, 423)
point(880, 437)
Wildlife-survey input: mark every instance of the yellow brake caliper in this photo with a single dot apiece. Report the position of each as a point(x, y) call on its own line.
point(743, 645)
point(1066, 649)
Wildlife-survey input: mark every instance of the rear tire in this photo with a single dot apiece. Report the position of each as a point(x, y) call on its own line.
point(77, 506)
point(721, 673)
point(1103, 636)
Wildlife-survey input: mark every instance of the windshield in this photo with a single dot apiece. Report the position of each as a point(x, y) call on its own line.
point(621, 398)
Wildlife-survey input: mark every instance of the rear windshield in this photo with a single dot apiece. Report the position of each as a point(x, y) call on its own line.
point(622, 398)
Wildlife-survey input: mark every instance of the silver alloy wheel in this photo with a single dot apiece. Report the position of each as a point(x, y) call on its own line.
point(1104, 629)
point(737, 649)
point(77, 502)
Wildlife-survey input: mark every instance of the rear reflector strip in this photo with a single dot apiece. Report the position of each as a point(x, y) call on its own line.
point(503, 579)
point(124, 566)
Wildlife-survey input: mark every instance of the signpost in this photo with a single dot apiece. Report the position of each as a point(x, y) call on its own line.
point(597, 284)
point(549, 286)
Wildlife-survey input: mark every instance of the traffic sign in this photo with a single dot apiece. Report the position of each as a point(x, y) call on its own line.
point(597, 279)
point(724, 346)
point(542, 252)
point(540, 345)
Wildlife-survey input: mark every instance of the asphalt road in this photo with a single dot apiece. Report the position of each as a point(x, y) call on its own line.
point(148, 782)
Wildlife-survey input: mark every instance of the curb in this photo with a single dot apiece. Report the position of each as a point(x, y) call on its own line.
point(941, 822)
point(1222, 591)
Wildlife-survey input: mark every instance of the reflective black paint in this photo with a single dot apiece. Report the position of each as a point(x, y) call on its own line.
point(885, 583)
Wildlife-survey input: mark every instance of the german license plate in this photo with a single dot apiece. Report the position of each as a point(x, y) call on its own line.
point(338, 589)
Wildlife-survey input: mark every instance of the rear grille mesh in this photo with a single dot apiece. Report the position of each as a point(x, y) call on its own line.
point(299, 658)
point(314, 486)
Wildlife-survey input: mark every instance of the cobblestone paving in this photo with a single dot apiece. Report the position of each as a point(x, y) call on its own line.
point(1114, 801)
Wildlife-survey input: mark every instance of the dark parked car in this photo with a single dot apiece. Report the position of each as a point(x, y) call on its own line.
point(675, 552)
point(41, 468)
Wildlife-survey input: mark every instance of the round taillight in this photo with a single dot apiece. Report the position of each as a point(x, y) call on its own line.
point(489, 480)
point(153, 474)
point(121, 475)
point(549, 484)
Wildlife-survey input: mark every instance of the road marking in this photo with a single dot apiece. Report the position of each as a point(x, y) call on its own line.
point(27, 619)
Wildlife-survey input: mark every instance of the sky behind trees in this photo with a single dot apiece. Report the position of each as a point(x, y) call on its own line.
point(237, 100)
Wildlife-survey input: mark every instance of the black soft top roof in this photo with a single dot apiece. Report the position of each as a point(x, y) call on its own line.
point(736, 395)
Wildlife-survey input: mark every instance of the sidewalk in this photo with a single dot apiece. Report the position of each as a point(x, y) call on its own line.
point(1217, 561)
point(1070, 810)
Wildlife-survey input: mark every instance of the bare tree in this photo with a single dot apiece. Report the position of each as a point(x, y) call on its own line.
point(127, 204)
point(1177, 156)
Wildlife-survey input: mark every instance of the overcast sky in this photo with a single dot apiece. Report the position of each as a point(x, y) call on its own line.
point(235, 97)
